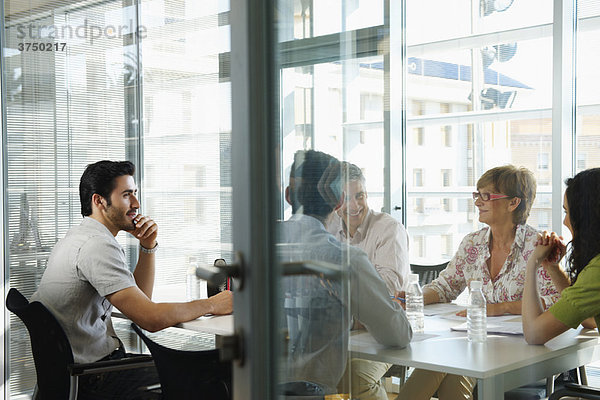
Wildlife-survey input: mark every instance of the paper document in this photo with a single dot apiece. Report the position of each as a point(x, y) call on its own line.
point(441, 308)
point(507, 328)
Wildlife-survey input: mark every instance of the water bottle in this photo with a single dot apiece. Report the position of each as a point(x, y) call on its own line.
point(414, 303)
point(476, 314)
point(196, 288)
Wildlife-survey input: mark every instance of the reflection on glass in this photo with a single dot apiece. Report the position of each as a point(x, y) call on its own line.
point(340, 116)
point(326, 285)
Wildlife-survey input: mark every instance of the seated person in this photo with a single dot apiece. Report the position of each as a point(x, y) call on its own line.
point(318, 309)
point(386, 243)
point(580, 289)
point(88, 274)
point(496, 255)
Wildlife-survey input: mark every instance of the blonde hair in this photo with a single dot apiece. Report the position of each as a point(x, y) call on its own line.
point(513, 182)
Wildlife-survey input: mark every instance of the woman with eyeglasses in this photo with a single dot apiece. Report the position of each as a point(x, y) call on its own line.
point(580, 288)
point(496, 255)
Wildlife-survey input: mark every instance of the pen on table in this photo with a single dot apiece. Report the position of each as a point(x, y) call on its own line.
point(398, 298)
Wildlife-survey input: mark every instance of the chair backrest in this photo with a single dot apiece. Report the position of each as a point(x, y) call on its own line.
point(427, 273)
point(189, 374)
point(49, 345)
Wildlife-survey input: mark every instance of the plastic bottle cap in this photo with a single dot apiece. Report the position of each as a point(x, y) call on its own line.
point(413, 278)
point(475, 285)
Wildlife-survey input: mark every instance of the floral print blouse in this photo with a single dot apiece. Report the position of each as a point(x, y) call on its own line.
point(469, 263)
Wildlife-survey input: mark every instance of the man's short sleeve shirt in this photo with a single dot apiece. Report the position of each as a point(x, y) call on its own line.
point(84, 267)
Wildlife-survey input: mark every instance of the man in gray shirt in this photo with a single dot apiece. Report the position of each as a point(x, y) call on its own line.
point(88, 274)
point(318, 310)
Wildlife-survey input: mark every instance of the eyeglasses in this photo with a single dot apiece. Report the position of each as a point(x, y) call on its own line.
point(488, 196)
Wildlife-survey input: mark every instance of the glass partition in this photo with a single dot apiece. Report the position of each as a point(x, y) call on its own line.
point(150, 81)
point(69, 102)
point(78, 92)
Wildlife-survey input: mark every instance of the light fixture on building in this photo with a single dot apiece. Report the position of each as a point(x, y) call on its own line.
point(491, 98)
point(500, 52)
point(490, 6)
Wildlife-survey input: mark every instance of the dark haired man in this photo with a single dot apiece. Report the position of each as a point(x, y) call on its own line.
point(88, 274)
point(317, 308)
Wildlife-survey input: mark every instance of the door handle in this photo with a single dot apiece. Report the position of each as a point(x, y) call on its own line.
point(312, 267)
point(219, 273)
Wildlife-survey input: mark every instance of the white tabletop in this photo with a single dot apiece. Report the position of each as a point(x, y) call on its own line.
point(502, 363)
point(217, 325)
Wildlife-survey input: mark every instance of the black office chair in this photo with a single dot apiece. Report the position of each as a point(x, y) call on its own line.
point(575, 390)
point(427, 273)
point(542, 388)
point(57, 374)
point(189, 374)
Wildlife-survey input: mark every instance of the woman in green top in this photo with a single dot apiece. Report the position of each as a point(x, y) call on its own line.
point(580, 288)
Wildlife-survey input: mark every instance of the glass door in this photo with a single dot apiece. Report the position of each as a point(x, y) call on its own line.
point(311, 91)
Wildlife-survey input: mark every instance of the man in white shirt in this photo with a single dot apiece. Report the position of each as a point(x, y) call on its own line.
point(386, 243)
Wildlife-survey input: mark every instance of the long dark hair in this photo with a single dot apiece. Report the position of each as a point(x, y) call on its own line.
point(584, 215)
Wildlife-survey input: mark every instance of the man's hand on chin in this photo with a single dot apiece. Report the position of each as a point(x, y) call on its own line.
point(146, 231)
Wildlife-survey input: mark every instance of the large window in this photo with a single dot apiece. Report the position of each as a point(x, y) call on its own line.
point(479, 94)
point(588, 85)
point(64, 109)
point(93, 98)
point(474, 91)
point(186, 108)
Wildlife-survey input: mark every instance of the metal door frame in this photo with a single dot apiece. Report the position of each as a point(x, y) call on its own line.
point(254, 181)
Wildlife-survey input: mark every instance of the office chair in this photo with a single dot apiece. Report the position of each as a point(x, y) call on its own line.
point(57, 374)
point(542, 388)
point(427, 273)
point(577, 391)
point(189, 374)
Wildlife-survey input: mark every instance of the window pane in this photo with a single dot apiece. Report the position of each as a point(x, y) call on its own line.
point(457, 92)
point(433, 20)
point(65, 108)
point(187, 137)
point(441, 209)
point(344, 121)
point(318, 18)
point(588, 82)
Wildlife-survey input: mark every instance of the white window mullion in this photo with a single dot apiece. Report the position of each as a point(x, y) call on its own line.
point(563, 104)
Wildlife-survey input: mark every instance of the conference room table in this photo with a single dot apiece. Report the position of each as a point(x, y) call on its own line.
point(503, 362)
point(220, 325)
